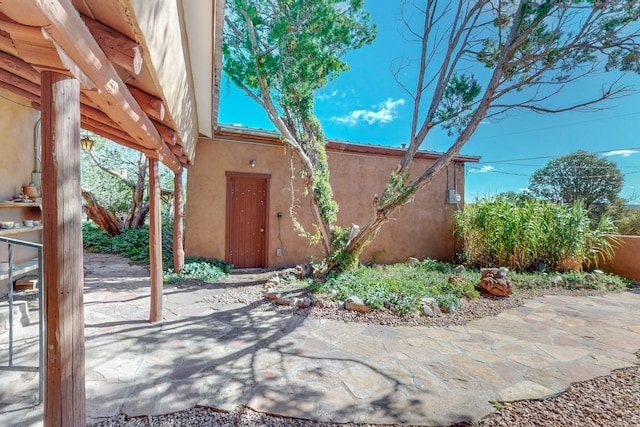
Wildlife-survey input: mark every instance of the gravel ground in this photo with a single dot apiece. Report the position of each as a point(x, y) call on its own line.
point(610, 400)
point(607, 401)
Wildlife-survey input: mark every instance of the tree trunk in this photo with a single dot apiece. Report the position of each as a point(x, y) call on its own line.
point(139, 216)
point(138, 212)
point(106, 220)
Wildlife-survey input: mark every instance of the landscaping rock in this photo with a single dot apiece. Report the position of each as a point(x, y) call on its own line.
point(598, 272)
point(427, 311)
point(271, 294)
point(456, 280)
point(411, 261)
point(429, 305)
point(304, 302)
point(270, 285)
point(275, 279)
point(556, 281)
point(303, 270)
point(322, 303)
point(283, 301)
point(354, 303)
point(496, 282)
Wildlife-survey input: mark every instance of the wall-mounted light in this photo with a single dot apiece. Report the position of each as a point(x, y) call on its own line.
point(252, 163)
point(87, 143)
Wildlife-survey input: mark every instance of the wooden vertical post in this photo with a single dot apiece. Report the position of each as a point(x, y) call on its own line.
point(64, 401)
point(178, 228)
point(155, 241)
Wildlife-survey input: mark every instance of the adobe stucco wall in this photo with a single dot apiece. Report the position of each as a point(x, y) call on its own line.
point(423, 228)
point(17, 124)
point(626, 261)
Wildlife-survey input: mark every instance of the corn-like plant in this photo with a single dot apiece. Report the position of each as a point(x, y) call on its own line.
point(520, 234)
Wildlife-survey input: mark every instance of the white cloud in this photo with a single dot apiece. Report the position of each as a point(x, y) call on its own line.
point(383, 113)
point(623, 153)
point(483, 169)
point(325, 96)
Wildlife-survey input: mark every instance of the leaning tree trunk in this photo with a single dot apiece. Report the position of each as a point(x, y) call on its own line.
point(139, 209)
point(106, 220)
point(139, 216)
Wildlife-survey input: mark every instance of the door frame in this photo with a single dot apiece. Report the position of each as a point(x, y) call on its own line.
point(263, 176)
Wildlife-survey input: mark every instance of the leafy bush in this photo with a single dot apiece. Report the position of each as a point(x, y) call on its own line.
point(224, 266)
point(132, 243)
point(204, 269)
point(399, 287)
point(519, 234)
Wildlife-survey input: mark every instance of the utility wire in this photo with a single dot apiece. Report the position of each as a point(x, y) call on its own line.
point(521, 132)
point(551, 157)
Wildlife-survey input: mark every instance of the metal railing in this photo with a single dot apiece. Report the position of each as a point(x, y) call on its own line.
point(11, 366)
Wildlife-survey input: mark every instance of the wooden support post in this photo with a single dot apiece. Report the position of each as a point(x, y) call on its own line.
point(155, 241)
point(178, 228)
point(64, 401)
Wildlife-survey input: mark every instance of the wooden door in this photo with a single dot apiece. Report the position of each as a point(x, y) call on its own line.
point(247, 207)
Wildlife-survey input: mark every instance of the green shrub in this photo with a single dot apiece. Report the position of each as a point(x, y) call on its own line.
point(401, 287)
point(203, 269)
point(132, 243)
point(398, 287)
point(519, 234)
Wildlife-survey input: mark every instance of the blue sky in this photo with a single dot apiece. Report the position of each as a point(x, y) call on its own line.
point(366, 105)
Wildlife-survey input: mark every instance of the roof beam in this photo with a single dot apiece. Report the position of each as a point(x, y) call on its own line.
point(119, 48)
point(62, 22)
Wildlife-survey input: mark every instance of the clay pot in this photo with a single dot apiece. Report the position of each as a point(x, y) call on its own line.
point(31, 191)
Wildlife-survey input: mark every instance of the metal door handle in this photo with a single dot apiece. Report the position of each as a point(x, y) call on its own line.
point(262, 230)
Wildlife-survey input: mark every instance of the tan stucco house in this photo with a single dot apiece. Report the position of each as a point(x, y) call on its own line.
point(239, 201)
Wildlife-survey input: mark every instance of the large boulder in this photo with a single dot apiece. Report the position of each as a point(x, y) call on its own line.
point(496, 282)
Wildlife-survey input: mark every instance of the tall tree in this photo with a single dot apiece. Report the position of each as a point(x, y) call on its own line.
point(114, 179)
point(279, 52)
point(476, 59)
point(579, 176)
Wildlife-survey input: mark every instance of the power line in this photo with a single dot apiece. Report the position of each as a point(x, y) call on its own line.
point(521, 132)
point(551, 157)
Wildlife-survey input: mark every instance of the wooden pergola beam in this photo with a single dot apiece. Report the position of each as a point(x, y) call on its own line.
point(19, 67)
point(119, 48)
point(31, 91)
point(62, 22)
point(115, 135)
point(152, 105)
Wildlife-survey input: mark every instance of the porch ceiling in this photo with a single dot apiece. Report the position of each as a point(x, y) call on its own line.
point(130, 56)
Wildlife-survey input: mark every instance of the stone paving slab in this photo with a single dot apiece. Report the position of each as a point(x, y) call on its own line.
point(226, 356)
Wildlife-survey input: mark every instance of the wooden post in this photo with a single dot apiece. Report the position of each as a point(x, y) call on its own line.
point(64, 401)
point(178, 229)
point(155, 241)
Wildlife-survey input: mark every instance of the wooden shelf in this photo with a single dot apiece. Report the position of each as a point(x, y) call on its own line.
point(22, 229)
point(20, 205)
